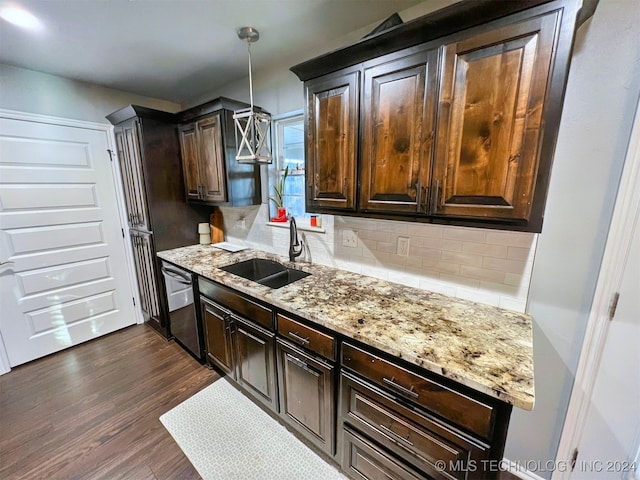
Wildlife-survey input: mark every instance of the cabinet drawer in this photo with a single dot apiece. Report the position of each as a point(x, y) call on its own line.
point(307, 337)
point(460, 409)
point(239, 304)
point(414, 437)
point(362, 460)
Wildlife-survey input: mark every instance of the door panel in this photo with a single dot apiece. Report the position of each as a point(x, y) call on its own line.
point(139, 213)
point(212, 159)
point(42, 238)
point(146, 268)
point(398, 112)
point(189, 150)
point(306, 395)
point(126, 175)
point(59, 226)
point(489, 131)
point(218, 337)
point(332, 107)
point(256, 369)
point(33, 282)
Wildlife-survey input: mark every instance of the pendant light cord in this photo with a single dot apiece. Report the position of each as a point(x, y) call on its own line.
point(250, 78)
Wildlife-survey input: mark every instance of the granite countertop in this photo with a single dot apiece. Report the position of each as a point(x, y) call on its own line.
point(486, 348)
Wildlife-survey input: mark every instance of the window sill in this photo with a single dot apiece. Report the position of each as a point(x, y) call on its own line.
point(304, 228)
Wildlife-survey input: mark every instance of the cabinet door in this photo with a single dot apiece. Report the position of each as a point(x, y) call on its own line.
point(306, 395)
point(211, 165)
point(256, 371)
point(189, 150)
point(492, 99)
point(146, 273)
point(130, 156)
point(126, 176)
point(332, 132)
point(217, 327)
point(398, 116)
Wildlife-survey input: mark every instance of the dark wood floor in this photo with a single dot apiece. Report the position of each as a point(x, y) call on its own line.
point(91, 412)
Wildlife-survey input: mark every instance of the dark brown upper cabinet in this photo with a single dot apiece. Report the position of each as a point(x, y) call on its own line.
point(332, 129)
point(203, 160)
point(130, 156)
point(212, 175)
point(458, 119)
point(489, 131)
point(397, 140)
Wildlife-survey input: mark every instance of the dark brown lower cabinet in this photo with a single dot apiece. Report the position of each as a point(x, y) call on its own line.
point(218, 339)
point(306, 394)
point(255, 364)
point(415, 437)
point(362, 460)
point(148, 286)
point(242, 348)
point(377, 416)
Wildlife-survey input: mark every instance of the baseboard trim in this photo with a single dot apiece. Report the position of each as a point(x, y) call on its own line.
point(519, 470)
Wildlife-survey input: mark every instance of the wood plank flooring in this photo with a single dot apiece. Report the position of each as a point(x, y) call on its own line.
point(91, 412)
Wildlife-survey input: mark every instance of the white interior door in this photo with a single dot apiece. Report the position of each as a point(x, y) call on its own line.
point(611, 435)
point(63, 276)
point(601, 434)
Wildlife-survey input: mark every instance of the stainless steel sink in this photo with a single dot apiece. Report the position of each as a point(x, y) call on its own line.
point(265, 272)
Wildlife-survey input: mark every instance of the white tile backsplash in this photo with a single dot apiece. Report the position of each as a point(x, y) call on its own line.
point(487, 266)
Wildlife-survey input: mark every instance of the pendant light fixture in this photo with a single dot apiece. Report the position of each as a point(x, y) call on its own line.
point(252, 127)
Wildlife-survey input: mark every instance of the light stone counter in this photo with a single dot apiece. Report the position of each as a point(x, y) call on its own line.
point(486, 348)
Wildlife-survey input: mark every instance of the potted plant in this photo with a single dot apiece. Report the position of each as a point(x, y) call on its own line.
point(278, 198)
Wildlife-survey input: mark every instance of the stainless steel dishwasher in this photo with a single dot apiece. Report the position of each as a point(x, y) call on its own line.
point(184, 321)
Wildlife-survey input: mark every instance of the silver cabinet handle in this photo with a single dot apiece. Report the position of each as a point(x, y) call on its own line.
point(393, 434)
point(303, 365)
point(391, 383)
point(298, 338)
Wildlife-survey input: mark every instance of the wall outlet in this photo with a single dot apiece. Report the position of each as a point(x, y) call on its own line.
point(403, 246)
point(349, 238)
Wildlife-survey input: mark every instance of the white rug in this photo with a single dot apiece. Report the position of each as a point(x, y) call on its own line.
point(227, 437)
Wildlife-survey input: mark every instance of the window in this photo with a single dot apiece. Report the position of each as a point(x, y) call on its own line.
point(288, 132)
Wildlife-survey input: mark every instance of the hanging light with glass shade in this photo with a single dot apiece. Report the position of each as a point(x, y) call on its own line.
point(252, 127)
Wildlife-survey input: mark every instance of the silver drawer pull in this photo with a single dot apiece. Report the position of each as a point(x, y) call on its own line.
point(396, 436)
point(298, 338)
point(300, 363)
point(400, 388)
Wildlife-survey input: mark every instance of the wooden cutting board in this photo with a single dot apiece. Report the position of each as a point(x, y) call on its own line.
point(216, 222)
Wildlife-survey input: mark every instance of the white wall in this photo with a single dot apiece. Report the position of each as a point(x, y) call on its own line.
point(34, 92)
point(602, 92)
point(603, 86)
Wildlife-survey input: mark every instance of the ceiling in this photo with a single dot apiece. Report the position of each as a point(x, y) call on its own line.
point(177, 49)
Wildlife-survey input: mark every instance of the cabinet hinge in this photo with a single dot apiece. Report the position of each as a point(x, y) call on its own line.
point(134, 301)
point(110, 154)
point(574, 458)
point(614, 305)
point(122, 230)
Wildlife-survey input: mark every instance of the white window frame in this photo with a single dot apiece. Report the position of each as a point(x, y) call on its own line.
point(277, 169)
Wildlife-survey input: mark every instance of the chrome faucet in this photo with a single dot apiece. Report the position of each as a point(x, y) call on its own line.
point(295, 246)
